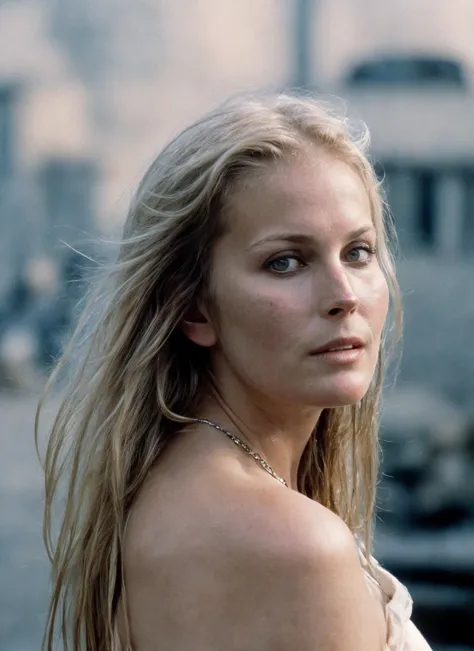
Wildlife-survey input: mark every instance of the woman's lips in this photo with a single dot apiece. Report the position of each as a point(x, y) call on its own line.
point(347, 356)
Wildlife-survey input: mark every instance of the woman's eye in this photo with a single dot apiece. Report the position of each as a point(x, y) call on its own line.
point(361, 254)
point(284, 264)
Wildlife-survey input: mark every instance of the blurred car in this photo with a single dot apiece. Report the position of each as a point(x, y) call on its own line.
point(425, 530)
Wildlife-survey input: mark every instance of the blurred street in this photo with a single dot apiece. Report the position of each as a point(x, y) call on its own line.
point(23, 562)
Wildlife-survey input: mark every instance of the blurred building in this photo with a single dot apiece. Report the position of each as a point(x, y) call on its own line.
point(48, 177)
point(104, 85)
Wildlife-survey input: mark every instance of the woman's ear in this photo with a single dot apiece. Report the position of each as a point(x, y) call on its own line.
point(198, 328)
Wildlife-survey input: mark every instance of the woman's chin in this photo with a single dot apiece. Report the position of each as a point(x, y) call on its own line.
point(340, 395)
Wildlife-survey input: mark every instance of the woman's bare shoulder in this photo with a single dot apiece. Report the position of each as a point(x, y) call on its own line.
point(274, 570)
point(301, 561)
point(289, 523)
point(235, 514)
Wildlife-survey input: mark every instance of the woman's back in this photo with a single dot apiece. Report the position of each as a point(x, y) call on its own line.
point(218, 555)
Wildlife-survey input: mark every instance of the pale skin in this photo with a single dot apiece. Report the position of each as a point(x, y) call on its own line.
point(218, 554)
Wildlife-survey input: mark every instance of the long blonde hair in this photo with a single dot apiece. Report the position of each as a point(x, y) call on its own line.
point(133, 376)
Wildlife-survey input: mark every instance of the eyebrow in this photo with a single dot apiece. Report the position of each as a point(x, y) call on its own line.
point(303, 238)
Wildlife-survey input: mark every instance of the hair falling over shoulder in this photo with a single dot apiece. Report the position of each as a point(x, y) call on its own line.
point(129, 377)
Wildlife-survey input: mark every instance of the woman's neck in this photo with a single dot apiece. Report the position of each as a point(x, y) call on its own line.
point(278, 432)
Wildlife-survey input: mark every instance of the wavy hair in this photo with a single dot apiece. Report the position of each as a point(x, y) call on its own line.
point(134, 378)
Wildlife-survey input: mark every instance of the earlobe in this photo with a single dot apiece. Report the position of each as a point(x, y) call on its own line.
point(199, 329)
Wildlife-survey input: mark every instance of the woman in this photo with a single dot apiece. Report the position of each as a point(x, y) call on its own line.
point(221, 427)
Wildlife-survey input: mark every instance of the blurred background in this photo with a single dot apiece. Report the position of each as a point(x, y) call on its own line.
point(90, 90)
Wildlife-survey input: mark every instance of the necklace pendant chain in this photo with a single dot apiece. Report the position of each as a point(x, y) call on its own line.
point(255, 455)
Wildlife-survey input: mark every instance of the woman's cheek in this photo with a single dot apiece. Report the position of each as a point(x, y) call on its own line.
point(377, 300)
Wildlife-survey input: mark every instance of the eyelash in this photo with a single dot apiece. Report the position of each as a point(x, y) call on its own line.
point(372, 251)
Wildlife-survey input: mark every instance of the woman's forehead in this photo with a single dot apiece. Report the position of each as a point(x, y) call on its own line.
point(299, 193)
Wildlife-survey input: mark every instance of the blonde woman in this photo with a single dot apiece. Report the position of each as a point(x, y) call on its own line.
point(219, 436)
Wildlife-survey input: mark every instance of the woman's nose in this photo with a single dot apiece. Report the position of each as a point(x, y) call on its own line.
point(338, 297)
point(343, 306)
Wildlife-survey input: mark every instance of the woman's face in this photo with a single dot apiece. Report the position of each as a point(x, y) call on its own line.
point(296, 270)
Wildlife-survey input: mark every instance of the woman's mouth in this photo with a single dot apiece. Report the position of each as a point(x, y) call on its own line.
point(346, 355)
point(344, 350)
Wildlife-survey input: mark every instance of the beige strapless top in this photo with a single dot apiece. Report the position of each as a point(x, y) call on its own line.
point(402, 634)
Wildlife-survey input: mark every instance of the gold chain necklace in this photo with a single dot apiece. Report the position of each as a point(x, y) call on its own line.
point(255, 455)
